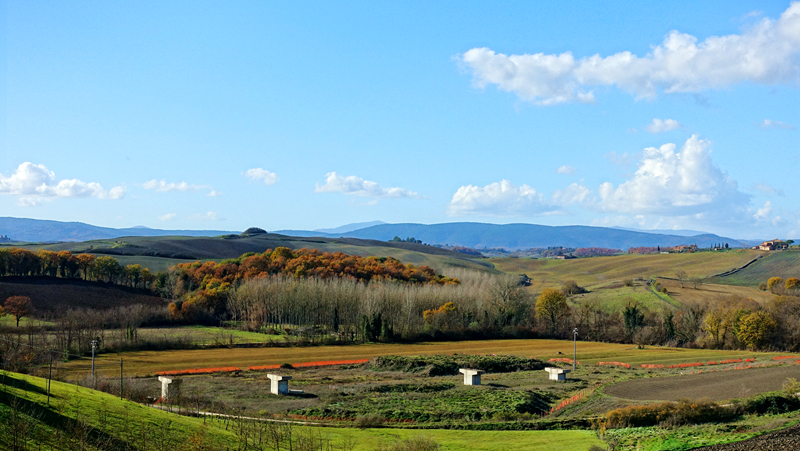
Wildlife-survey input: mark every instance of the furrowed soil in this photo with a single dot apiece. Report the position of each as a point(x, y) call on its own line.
point(716, 386)
point(785, 440)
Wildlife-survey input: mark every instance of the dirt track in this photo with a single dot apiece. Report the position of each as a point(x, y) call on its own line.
point(716, 386)
point(785, 440)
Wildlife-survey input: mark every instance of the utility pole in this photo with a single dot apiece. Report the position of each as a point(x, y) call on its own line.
point(120, 378)
point(49, 378)
point(94, 345)
point(574, 348)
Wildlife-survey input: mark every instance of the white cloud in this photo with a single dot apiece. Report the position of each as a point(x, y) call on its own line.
point(768, 190)
point(765, 53)
point(671, 183)
point(34, 183)
point(356, 186)
point(660, 126)
point(498, 199)
point(167, 217)
point(262, 175)
point(209, 216)
point(573, 194)
point(214, 193)
point(566, 170)
point(764, 211)
point(767, 124)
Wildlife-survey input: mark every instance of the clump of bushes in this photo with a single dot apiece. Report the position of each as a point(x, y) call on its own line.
point(685, 411)
point(571, 287)
point(448, 365)
point(412, 388)
point(668, 414)
point(413, 444)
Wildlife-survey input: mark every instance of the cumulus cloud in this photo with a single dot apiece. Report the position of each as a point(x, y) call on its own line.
point(766, 53)
point(162, 186)
point(566, 170)
point(767, 124)
point(665, 125)
point(356, 186)
point(167, 217)
point(764, 211)
point(573, 194)
point(499, 199)
point(261, 175)
point(675, 183)
point(34, 183)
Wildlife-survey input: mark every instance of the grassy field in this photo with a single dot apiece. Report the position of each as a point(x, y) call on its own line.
point(614, 297)
point(602, 270)
point(776, 264)
point(708, 292)
point(143, 363)
point(695, 436)
point(113, 416)
point(210, 336)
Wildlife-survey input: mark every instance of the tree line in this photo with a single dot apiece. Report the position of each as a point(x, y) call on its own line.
point(203, 287)
point(65, 264)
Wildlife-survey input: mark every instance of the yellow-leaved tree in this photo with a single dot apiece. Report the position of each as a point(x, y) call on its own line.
point(552, 305)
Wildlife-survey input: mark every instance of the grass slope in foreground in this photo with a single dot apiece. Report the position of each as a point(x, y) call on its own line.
point(119, 421)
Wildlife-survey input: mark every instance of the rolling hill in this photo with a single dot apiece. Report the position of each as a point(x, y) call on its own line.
point(37, 230)
point(158, 253)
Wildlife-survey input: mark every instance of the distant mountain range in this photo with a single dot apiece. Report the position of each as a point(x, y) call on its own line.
point(38, 230)
point(523, 236)
point(468, 234)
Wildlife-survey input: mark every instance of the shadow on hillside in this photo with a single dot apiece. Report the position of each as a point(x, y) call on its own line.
point(69, 426)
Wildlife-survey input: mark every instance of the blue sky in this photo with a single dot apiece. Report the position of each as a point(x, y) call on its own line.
point(225, 115)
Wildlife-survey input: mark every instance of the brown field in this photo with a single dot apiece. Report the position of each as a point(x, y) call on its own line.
point(601, 270)
point(716, 386)
point(143, 363)
point(52, 295)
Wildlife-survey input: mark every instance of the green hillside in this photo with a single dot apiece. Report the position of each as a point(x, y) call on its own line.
point(78, 418)
point(775, 264)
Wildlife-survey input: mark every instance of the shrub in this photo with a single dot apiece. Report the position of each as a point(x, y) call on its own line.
point(413, 444)
point(448, 365)
point(571, 287)
point(774, 284)
point(369, 421)
point(772, 403)
point(628, 282)
point(668, 414)
point(791, 386)
point(762, 286)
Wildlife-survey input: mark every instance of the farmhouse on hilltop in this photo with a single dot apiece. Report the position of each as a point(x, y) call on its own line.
point(773, 245)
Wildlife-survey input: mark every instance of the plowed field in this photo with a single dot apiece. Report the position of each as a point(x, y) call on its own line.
point(716, 386)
